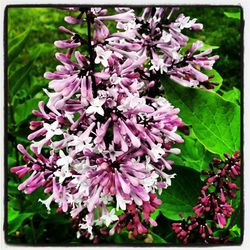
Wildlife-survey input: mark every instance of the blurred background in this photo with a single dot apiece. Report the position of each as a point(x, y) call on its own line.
point(30, 35)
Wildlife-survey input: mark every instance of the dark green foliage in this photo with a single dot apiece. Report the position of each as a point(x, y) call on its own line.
point(180, 197)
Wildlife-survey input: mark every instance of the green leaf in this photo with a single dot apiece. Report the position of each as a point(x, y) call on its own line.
point(217, 78)
point(12, 214)
point(157, 238)
point(14, 203)
point(12, 188)
point(235, 229)
point(215, 122)
point(16, 45)
point(17, 222)
point(16, 219)
point(235, 15)
point(41, 49)
point(232, 95)
point(37, 88)
point(11, 161)
point(18, 79)
point(24, 110)
point(193, 154)
point(182, 195)
point(155, 214)
point(208, 46)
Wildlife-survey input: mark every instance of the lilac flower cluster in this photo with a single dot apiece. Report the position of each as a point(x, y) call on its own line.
point(214, 206)
point(101, 141)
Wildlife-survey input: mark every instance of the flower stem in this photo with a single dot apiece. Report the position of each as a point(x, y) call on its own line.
point(33, 231)
point(91, 54)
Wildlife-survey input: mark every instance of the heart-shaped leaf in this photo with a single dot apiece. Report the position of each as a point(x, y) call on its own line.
point(215, 121)
point(182, 195)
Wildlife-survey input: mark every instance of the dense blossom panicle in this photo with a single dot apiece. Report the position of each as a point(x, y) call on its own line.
point(213, 205)
point(102, 139)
